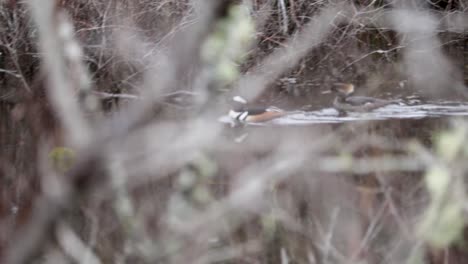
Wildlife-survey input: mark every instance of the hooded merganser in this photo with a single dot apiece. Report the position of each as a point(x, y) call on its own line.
point(244, 113)
point(345, 102)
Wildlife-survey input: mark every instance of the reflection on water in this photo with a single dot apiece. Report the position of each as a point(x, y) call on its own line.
point(409, 109)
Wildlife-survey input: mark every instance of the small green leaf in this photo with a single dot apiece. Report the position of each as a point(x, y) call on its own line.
point(62, 158)
point(441, 228)
point(437, 181)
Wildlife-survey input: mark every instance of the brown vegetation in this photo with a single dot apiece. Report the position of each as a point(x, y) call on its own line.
point(111, 152)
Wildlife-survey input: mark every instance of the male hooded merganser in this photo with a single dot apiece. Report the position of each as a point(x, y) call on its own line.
point(244, 113)
point(345, 102)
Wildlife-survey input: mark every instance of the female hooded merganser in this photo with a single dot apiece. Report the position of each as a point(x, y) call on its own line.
point(244, 113)
point(345, 102)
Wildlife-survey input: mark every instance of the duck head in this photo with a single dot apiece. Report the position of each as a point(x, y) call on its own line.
point(343, 89)
point(238, 103)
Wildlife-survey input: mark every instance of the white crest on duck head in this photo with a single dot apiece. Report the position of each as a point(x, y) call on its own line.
point(239, 99)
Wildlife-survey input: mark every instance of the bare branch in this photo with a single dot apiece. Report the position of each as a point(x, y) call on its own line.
point(52, 27)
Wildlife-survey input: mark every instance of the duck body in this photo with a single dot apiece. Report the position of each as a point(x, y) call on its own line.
point(345, 102)
point(359, 103)
point(253, 114)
